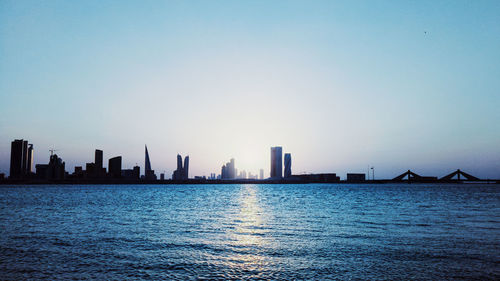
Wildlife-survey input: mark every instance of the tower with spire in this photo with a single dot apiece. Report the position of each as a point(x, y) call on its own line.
point(148, 173)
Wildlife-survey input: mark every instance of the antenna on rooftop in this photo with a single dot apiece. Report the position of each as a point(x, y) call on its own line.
point(52, 151)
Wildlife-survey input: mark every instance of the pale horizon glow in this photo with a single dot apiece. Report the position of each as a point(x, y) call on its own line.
point(341, 85)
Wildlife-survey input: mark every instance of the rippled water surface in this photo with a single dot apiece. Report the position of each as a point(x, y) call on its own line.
point(250, 232)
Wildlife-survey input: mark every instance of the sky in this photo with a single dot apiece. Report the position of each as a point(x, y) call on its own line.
point(341, 85)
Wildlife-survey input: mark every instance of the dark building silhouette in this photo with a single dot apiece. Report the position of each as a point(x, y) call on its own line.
point(328, 177)
point(21, 159)
point(182, 172)
point(24, 167)
point(16, 159)
point(78, 172)
point(95, 170)
point(276, 162)
point(132, 174)
point(353, 177)
point(55, 170)
point(137, 172)
point(288, 165)
point(179, 162)
point(90, 170)
point(186, 167)
point(149, 174)
point(98, 159)
point(115, 167)
point(177, 174)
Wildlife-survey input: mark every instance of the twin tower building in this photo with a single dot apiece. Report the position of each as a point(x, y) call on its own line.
point(182, 172)
point(276, 163)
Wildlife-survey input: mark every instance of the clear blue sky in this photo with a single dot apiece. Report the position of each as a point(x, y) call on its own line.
point(340, 84)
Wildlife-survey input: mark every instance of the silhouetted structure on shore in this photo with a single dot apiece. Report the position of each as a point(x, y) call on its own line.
point(276, 162)
point(21, 159)
point(182, 172)
point(115, 167)
point(132, 174)
point(353, 177)
point(54, 170)
point(95, 173)
point(149, 174)
point(288, 165)
point(98, 160)
point(457, 174)
point(316, 178)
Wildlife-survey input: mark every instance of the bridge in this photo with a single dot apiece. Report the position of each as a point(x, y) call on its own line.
point(456, 176)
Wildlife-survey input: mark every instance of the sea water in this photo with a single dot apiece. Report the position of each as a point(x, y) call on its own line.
point(250, 231)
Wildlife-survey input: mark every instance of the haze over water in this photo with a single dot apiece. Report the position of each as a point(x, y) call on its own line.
point(282, 232)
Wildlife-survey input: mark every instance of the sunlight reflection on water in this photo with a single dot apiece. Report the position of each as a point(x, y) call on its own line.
point(249, 232)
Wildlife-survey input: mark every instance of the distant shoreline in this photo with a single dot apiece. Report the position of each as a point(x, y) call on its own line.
point(218, 182)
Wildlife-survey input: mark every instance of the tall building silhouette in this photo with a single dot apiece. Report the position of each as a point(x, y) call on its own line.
point(98, 159)
point(132, 174)
point(261, 174)
point(148, 173)
point(276, 162)
point(179, 165)
point(147, 163)
point(115, 166)
point(186, 168)
point(30, 159)
point(182, 172)
point(288, 165)
point(21, 159)
point(99, 170)
point(24, 167)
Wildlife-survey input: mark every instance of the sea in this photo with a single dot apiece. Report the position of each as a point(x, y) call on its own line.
point(250, 232)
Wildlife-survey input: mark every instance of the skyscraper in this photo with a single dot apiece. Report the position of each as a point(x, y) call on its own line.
point(186, 168)
point(30, 159)
point(232, 169)
point(261, 176)
point(98, 170)
point(276, 162)
point(147, 163)
point(228, 171)
point(98, 159)
point(148, 173)
point(16, 159)
point(24, 167)
point(179, 166)
point(182, 172)
point(288, 165)
point(21, 159)
point(115, 166)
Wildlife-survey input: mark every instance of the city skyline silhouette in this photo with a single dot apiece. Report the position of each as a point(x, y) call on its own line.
point(250, 140)
point(23, 169)
point(344, 86)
